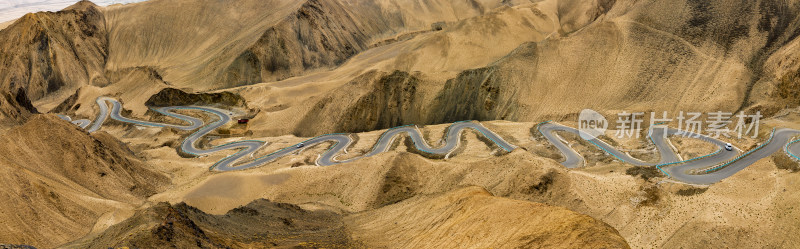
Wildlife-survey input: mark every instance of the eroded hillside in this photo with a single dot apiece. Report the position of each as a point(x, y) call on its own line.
point(59, 182)
point(420, 222)
point(46, 54)
point(290, 70)
point(700, 57)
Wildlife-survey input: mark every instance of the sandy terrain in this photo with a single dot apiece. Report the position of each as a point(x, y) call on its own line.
point(310, 67)
point(647, 213)
point(52, 197)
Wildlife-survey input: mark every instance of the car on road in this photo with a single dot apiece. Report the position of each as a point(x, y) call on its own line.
point(728, 147)
point(300, 145)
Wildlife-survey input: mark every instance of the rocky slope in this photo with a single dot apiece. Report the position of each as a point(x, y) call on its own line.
point(176, 97)
point(49, 53)
point(265, 40)
point(318, 34)
point(14, 108)
point(609, 56)
point(259, 224)
point(60, 180)
point(313, 67)
point(373, 101)
point(707, 50)
point(472, 216)
point(444, 220)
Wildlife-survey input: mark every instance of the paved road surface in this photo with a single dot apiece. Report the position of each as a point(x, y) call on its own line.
point(706, 169)
point(248, 147)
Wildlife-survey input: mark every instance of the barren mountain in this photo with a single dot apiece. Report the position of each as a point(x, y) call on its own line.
point(60, 180)
point(425, 221)
point(749, 209)
point(257, 41)
point(44, 53)
point(520, 62)
point(260, 223)
point(673, 55)
point(616, 56)
point(294, 69)
point(713, 52)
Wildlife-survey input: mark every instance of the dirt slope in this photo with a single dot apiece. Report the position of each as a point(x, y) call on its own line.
point(185, 45)
point(314, 67)
point(610, 56)
point(59, 180)
point(471, 216)
point(50, 53)
point(258, 41)
point(750, 209)
point(259, 224)
point(424, 221)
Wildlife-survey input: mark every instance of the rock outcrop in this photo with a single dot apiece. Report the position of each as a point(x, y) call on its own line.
point(320, 34)
point(48, 52)
point(259, 224)
point(176, 97)
point(449, 219)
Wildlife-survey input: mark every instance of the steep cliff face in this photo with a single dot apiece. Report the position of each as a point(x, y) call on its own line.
point(780, 81)
point(381, 100)
point(373, 101)
point(392, 101)
point(48, 52)
point(476, 94)
point(318, 35)
point(15, 107)
point(176, 97)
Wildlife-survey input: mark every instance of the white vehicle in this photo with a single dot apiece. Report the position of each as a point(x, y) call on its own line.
point(300, 145)
point(728, 147)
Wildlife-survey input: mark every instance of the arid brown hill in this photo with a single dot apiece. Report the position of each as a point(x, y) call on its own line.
point(48, 52)
point(671, 56)
point(259, 224)
point(611, 55)
point(467, 216)
point(58, 180)
point(48, 56)
point(264, 40)
point(176, 97)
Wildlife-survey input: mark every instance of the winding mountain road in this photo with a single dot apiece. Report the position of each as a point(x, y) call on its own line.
point(248, 147)
point(706, 169)
point(703, 170)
